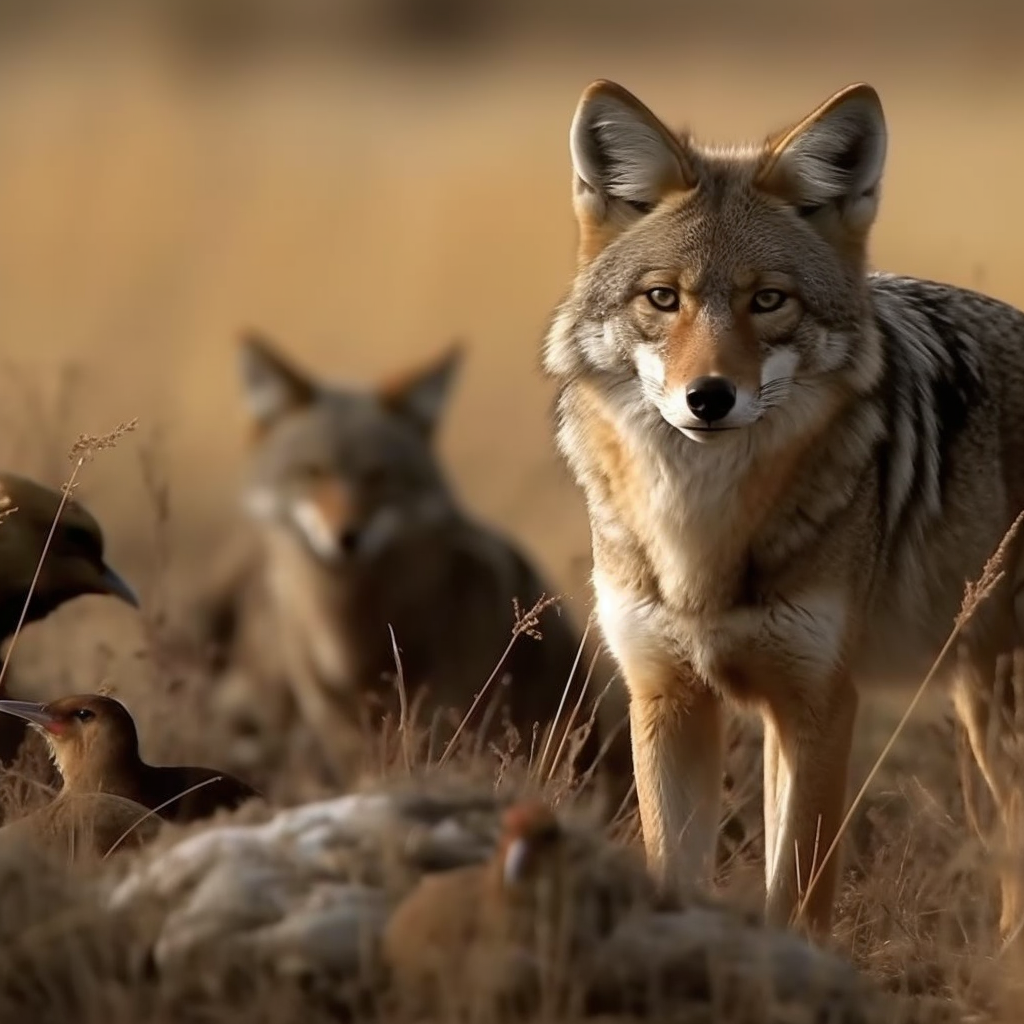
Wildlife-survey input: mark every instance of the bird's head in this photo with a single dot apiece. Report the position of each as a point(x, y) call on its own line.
point(531, 841)
point(74, 564)
point(89, 736)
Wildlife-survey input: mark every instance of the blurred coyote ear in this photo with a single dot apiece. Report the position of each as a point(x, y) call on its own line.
point(272, 384)
point(829, 166)
point(420, 394)
point(625, 162)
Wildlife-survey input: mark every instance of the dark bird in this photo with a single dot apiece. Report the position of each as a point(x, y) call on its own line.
point(74, 566)
point(95, 747)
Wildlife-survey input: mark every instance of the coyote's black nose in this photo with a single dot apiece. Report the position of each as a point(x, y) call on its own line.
point(710, 398)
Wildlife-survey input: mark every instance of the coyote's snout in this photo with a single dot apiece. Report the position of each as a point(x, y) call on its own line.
point(867, 457)
point(714, 370)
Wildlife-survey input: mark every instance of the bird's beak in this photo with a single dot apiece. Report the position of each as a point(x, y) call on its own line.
point(114, 585)
point(36, 714)
point(516, 856)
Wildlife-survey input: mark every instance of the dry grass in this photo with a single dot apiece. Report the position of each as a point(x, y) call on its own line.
point(917, 911)
point(367, 213)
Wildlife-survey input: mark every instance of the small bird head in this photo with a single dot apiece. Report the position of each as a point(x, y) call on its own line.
point(531, 839)
point(74, 564)
point(91, 738)
point(563, 877)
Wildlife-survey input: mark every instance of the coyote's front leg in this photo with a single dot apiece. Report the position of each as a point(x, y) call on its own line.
point(808, 737)
point(676, 730)
point(675, 722)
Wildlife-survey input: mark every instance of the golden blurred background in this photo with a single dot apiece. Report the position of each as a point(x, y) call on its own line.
point(366, 179)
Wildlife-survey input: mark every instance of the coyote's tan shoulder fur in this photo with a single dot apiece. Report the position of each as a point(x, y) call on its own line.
point(792, 465)
point(360, 546)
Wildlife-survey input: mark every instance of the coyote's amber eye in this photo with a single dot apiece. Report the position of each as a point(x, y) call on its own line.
point(767, 300)
point(664, 299)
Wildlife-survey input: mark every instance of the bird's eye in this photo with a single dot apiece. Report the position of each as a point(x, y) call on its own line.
point(84, 714)
point(666, 300)
point(767, 300)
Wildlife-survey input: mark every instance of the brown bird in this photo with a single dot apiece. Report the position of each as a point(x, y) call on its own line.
point(74, 566)
point(95, 746)
point(494, 931)
point(83, 825)
point(444, 938)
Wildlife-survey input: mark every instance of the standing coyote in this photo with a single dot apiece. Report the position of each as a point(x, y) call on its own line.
point(358, 535)
point(792, 466)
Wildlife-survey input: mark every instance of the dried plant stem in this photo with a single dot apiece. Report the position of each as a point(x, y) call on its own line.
point(561, 704)
point(572, 718)
point(84, 448)
point(65, 494)
point(403, 703)
point(525, 623)
point(620, 811)
point(156, 810)
point(974, 595)
point(946, 648)
point(450, 745)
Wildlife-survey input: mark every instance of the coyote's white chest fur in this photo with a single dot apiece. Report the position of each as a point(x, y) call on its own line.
point(694, 523)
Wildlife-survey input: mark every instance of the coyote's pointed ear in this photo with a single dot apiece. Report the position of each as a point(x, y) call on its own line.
point(273, 385)
point(832, 161)
point(420, 394)
point(625, 162)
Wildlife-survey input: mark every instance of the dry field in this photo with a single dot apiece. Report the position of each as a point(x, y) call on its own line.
point(366, 210)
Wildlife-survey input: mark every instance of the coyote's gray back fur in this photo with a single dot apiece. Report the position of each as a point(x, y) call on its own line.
point(949, 456)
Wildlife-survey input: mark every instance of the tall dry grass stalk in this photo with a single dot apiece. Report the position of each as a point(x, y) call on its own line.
point(975, 594)
point(156, 810)
point(82, 450)
point(576, 708)
point(65, 494)
point(403, 704)
point(561, 703)
point(526, 623)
